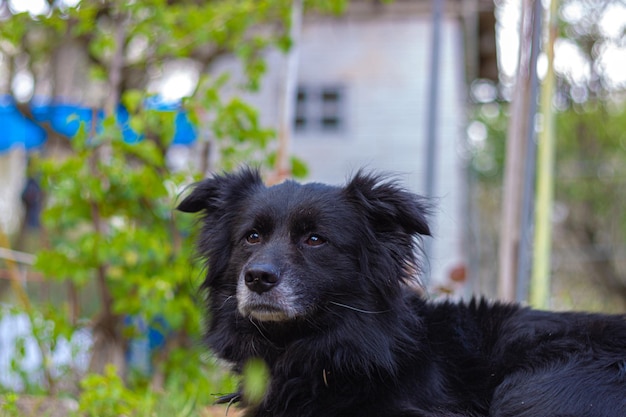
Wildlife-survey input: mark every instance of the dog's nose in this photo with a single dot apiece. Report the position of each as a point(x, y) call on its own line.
point(261, 277)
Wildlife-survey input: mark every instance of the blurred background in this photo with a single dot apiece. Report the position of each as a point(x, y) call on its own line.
point(509, 114)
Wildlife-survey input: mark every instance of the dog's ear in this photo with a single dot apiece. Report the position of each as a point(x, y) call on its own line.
point(213, 193)
point(388, 206)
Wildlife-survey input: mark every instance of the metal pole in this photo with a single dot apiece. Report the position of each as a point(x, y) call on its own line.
point(527, 213)
point(432, 116)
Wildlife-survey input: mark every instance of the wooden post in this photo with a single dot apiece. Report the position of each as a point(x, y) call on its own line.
point(514, 163)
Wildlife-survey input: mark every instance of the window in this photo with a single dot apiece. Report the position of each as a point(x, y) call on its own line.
point(320, 109)
point(331, 102)
point(301, 109)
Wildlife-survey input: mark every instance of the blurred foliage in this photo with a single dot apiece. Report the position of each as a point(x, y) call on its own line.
point(592, 155)
point(591, 175)
point(255, 380)
point(8, 405)
point(589, 212)
point(114, 212)
point(487, 140)
point(107, 396)
point(110, 216)
point(591, 150)
point(590, 30)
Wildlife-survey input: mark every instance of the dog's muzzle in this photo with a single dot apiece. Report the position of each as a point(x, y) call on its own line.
point(263, 294)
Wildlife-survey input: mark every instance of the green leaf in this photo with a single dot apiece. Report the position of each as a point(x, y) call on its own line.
point(298, 168)
point(137, 124)
point(255, 380)
point(132, 100)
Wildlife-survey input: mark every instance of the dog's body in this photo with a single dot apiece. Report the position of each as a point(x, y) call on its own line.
point(313, 280)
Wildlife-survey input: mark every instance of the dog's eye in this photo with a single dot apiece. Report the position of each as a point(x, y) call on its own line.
point(253, 237)
point(315, 240)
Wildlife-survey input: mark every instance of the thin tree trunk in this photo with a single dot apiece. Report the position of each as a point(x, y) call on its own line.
point(108, 344)
point(285, 123)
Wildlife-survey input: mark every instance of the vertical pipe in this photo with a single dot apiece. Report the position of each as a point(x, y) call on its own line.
point(527, 212)
point(433, 99)
point(432, 116)
point(540, 281)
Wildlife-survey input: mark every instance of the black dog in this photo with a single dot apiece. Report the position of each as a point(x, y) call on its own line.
point(317, 281)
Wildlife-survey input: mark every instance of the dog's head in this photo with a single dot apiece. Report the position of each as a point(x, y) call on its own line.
point(293, 251)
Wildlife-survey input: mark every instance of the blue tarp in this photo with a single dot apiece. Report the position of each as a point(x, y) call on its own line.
point(16, 129)
point(66, 119)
